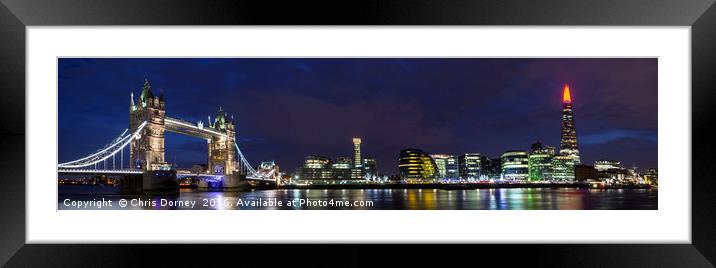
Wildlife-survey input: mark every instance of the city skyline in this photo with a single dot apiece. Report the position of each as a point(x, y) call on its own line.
point(613, 123)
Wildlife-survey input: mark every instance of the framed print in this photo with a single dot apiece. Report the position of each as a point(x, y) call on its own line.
point(570, 130)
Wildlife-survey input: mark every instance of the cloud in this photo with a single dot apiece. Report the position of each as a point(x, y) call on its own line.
point(612, 135)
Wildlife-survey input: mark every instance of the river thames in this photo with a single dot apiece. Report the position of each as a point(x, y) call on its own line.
point(88, 197)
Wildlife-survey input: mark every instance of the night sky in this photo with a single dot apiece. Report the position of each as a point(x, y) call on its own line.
point(286, 109)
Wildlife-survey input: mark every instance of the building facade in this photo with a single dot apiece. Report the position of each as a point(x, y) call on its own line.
point(369, 166)
point(540, 165)
point(515, 165)
point(651, 176)
point(563, 167)
point(452, 170)
point(341, 168)
point(316, 167)
point(540, 162)
point(606, 165)
point(440, 162)
point(416, 166)
point(447, 165)
point(469, 166)
point(491, 167)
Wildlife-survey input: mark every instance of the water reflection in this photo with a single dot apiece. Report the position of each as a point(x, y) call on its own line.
point(412, 199)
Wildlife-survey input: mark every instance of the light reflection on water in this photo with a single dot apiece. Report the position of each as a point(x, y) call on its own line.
point(411, 199)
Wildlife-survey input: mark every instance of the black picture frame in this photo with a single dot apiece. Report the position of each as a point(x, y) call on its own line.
point(15, 15)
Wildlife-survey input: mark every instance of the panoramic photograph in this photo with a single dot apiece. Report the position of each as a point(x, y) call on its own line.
point(357, 134)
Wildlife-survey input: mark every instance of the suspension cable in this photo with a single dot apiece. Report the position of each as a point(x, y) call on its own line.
point(107, 147)
point(97, 157)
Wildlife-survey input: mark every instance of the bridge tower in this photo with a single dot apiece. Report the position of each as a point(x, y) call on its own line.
point(147, 151)
point(222, 154)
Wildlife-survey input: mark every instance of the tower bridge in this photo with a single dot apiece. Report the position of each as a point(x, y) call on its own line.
point(144, 139)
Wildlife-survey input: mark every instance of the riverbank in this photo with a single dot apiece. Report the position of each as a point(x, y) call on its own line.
point(103, 190)
point(465, 186)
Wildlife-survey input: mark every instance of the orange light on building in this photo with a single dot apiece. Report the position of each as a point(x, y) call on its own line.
point(566, 97)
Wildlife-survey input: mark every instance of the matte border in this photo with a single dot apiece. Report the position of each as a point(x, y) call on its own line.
point(16, 14)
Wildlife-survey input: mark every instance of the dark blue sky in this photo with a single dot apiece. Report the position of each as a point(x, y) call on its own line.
point(289, 108)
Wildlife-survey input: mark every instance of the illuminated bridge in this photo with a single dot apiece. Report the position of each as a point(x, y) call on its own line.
point(144, 143)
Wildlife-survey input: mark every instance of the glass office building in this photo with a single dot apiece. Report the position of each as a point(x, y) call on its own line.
point(568, 142)
point(369, 166)
point(447, 165)
point(316, 167)
point(416, 166)
point(563, 167)
point(515, 165)
point(540, 162)
point(469, 165)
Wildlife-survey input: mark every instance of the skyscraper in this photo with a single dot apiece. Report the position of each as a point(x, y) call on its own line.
point(356, 152)
point(568, 143)
point(357, 162)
